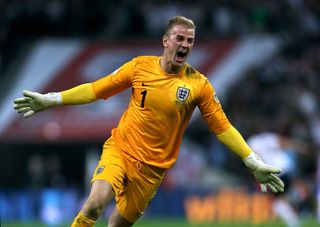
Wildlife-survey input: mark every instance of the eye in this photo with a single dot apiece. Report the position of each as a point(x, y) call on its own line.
point(179, 38)
point(190, 41)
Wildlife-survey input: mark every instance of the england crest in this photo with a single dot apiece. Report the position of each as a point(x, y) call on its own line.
point(182, 93)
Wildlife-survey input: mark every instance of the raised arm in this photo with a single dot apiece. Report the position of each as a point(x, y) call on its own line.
point(219, 124)
point(33, 102)
point(264, 173)
point(119, 80)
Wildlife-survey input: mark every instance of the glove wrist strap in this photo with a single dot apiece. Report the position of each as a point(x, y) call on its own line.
point(53, 99)
point(252, 161)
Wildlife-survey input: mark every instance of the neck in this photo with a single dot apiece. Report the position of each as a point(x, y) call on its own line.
point(168, 67)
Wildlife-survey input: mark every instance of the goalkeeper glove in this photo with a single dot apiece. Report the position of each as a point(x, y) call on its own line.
point(264, 173)
point(34, 102)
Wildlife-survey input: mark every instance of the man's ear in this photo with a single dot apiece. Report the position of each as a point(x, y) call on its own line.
point(165, 40)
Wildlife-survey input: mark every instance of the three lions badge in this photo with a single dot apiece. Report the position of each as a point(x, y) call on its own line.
point(182, 94)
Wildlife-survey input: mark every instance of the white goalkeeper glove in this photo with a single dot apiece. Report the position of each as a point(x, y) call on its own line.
point(265, 174)
point(34, 102)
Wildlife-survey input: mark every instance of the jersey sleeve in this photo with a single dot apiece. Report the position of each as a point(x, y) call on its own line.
point(211, 110)
point(115, 82)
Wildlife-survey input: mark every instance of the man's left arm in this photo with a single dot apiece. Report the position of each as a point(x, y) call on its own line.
point(264, 173)
point(219, 124)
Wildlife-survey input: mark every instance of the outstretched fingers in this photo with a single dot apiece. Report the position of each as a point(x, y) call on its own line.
point(24, 104)
point(22, 100)
point(273, 170)
point(23, 109)
point(278, 187)
point(19, 106)
point(273, 188)
point(29, 94)
point(277, 182)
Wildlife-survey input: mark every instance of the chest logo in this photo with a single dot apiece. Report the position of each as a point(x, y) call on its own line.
point(182, 93)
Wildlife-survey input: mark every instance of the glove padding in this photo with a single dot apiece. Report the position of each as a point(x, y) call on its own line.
point(34, 102)
point(265, 174)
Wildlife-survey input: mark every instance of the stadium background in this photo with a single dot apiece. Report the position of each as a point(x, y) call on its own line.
point(262, 57)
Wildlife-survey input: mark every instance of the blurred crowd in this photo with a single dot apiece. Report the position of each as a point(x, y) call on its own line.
point(282, 96)
point(22, 22)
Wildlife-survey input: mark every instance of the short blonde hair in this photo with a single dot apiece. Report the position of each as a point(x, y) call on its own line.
point(179, 20)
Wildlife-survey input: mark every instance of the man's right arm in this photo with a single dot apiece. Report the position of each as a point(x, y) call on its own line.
point(81, 94)
point(34, 102)
point(119, 80)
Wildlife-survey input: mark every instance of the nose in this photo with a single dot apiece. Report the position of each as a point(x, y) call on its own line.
point(185, 44)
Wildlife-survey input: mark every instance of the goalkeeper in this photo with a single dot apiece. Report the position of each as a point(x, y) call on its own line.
point(165, 92)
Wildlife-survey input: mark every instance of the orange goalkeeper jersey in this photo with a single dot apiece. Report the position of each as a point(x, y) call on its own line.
point(160, 107)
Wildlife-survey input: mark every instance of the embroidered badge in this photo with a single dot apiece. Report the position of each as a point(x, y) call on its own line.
point(182, 94)
point(100, 169)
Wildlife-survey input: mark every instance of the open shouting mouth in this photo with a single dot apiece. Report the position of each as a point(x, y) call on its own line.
point(181, 55)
